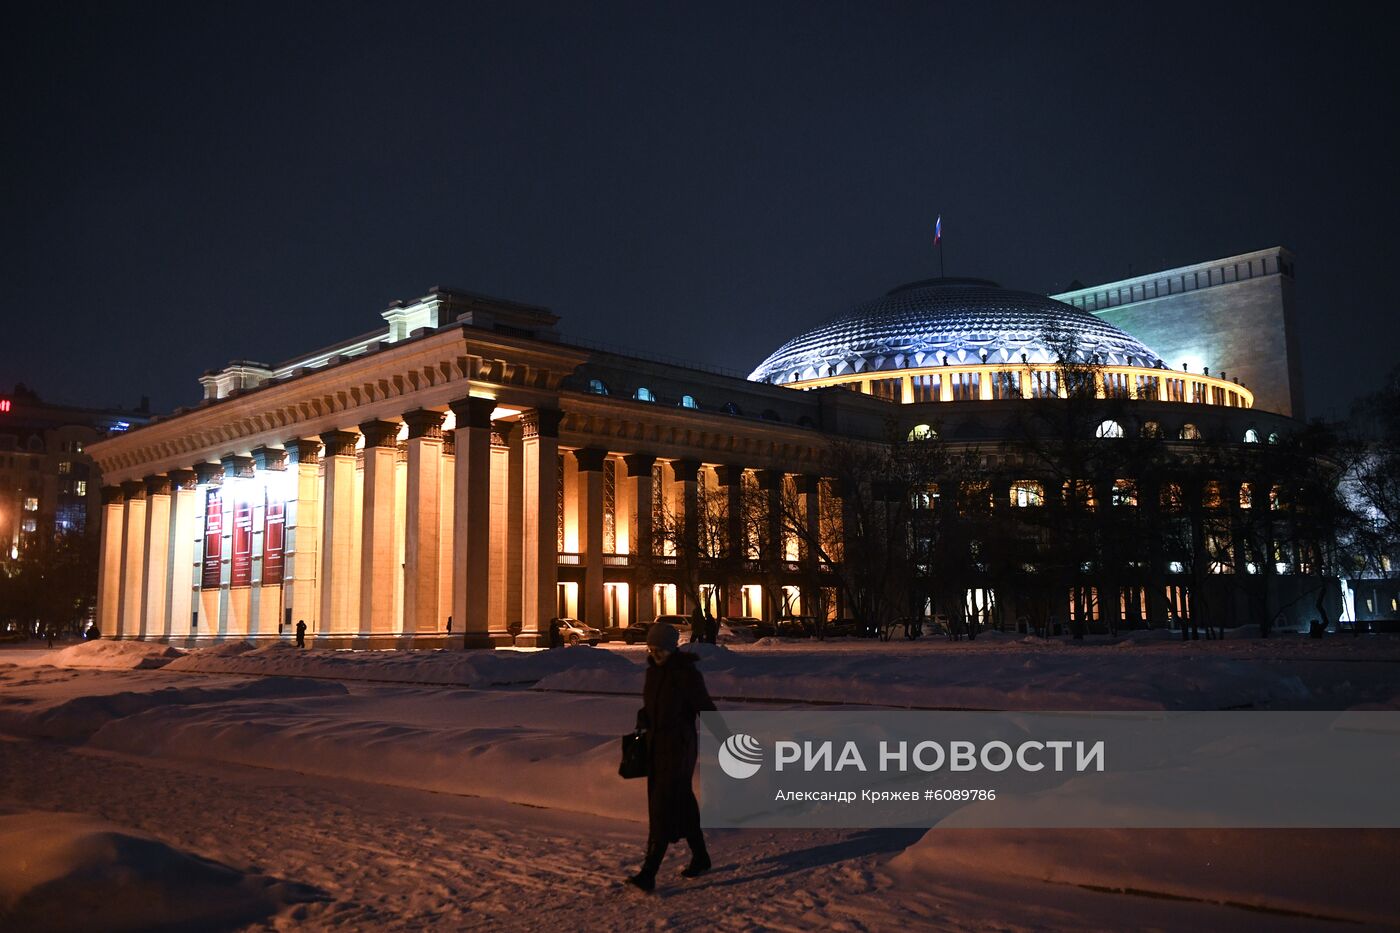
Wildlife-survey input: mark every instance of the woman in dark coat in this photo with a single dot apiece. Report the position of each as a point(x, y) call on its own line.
point(674, 694)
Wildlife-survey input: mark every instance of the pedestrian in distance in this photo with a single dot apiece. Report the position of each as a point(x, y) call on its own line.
point(301, 633)
point(673, 696)
point(556, 635)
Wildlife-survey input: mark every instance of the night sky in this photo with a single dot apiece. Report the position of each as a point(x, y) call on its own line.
point(190, 183)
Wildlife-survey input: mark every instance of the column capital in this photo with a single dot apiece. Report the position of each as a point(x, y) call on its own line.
point(111, 495)
point(730, 474)
point(424, 423)
point(473, 411)
point(541, 422)
point(302, 450)
point(590, 459)
point(269, 458)
point(158, 485)
point(380, 433)
point(686, 471)
point(208, 474)
point(500, 433)
point(639, 464)
point(183, 479)
point(237, 466)
point(770, 479)
point(339, 443)
point(134, 489)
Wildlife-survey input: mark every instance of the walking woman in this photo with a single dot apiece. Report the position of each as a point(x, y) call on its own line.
point(674, 694)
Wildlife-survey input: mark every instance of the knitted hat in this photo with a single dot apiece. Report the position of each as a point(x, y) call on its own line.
point(663, 635)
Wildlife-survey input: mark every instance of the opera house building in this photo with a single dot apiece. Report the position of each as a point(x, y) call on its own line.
point(462, 468)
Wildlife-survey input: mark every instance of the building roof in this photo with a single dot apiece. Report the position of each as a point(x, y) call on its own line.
point(952, 320)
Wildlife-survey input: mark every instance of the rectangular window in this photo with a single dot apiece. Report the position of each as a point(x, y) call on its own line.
point(887, 389)
point(29, 525)
point(1115, 385)
point(1046, 384)
point(1006, 384)
point(80, 487)
point(967, 387)
point(31, 503)
point(927, 387)
point(1125, 492)
point(65, 467)
point(1148, 387)
point(1176, 390)
point(1198, 392)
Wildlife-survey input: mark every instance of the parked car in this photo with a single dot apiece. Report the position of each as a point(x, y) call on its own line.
point(574, 632)
point(797, 627)
point(636, 633)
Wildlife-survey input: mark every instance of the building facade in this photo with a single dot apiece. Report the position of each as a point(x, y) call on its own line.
point(463, 469)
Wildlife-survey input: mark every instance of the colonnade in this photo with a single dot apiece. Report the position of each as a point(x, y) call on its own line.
point(399, 531)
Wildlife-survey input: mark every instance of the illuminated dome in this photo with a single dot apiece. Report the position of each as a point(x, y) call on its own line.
point(951, 322)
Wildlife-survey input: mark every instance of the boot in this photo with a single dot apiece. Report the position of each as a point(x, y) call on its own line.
point(646, 878)
point(699, 856)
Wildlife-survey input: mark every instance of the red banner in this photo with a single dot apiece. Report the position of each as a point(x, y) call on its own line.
point(213, 539)
point(274, 534)
point(241, 555)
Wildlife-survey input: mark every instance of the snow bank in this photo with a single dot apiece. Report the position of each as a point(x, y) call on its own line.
point(77, 716)
point(1006, 676)
point(1338, 874)
point(445, 667)
point(64, 871)
point(115, 655)
point(544, 755)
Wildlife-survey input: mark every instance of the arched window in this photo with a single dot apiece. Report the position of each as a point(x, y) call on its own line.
point(597, 387)
point(1027, 493)
point(1151, 429)
point(731, 409)
point(1273, 437)
point(1211, 495)
point(645, 395)
point(1109, 428)
point(922, 432)
point(688, 401)
point(1251, 436)
point(1189, 432)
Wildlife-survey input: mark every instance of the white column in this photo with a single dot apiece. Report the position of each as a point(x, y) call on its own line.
point(472, 525)
point(184, 513)
point(378, 570)
point(639, 495)
point(505, 560)
point(109, 562)
point(447, 478)
point(590, 531)
point(539, 568)
point(422, 614)
point(300, 577)
point(156, 573)
point(133, 559)
point(337, 524)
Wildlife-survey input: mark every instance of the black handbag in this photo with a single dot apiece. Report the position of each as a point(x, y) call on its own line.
point(635, 760)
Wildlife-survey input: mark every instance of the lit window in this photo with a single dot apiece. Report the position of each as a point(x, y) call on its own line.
point(1246, 495)
point(922, 432)
point(925, 497)
point(1109, 429)
point(80, 487)
point(1251, 436)
point(1176, 566)
point(1273, 437)
point(77, 447)
point(29, 525)
point(65, 467)
point(688, 401)
point(1081, 492)
point(1189, 432)
point(1151, 429)
point(645, 395)
point(1125, 492)
point(1211, 496)
point(597, 387)
point(31, 504)
point(1027, 493)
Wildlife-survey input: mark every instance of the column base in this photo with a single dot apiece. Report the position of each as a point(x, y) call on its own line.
point(532, 640)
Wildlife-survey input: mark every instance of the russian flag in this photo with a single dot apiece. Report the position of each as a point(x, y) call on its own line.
point(938, 229)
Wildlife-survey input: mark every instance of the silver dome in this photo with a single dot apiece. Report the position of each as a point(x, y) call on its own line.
point(953, 320)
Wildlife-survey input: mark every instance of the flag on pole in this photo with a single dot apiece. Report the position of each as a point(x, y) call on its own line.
point(938, 229)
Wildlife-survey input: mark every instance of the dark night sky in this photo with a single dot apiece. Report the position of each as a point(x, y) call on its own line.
point(190, 183)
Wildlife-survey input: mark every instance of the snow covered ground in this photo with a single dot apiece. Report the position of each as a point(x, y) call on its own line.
point(228, 787)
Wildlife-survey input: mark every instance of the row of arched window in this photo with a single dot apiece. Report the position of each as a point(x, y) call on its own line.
point(1030, 493)
point(1111, 429)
